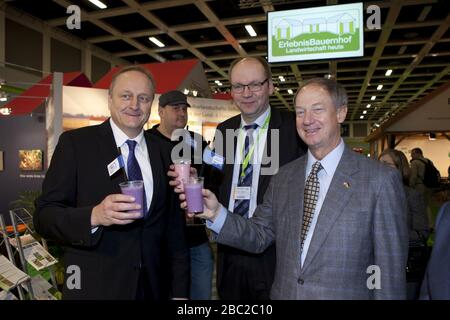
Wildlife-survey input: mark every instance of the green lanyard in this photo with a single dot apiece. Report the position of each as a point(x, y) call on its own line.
point(252, 148)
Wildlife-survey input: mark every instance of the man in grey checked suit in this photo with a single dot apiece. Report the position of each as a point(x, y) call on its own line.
point(355, 245)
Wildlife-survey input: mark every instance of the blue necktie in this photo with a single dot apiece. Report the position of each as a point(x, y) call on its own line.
point(134, 171)
point(242, 206)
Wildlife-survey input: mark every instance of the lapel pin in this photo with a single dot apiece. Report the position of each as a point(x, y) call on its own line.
point(347, 185)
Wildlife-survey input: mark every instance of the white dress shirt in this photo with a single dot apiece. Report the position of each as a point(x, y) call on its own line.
point(258, 152)
point(329, 164)
point(142, 158)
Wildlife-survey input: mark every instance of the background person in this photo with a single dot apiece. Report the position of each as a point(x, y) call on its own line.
point(436, 283)
point(173, 114)
point(417, 221)
point(416, 180)
point(417, 218)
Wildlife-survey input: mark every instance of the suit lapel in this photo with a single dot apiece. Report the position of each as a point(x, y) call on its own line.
point(157, 169)
point(295, 218)
point(274, 123)
point(108, 152)
point(229, 162)
point(338, 195)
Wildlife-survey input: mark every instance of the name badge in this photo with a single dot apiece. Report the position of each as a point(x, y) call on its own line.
point(115, 165)
point(242, 193)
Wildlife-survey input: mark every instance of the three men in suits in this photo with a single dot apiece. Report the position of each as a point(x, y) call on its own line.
point(338, 219)
point(111, 253)
point(240, 274)
point(436, 282)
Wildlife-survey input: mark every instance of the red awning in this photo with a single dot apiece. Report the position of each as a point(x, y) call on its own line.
point(33, 97)
point(168, 75)
point(222, 96)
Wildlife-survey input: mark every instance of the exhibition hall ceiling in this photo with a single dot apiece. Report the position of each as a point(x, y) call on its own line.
point(413, 41)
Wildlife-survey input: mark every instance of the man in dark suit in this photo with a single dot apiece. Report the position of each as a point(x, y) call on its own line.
point(436, 282)
point(338, 219)
point(243, 275)
point(110, 252)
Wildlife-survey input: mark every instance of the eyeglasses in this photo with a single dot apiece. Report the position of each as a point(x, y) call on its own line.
point(253, 87)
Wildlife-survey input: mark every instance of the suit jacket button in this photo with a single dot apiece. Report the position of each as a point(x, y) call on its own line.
point(300, 281)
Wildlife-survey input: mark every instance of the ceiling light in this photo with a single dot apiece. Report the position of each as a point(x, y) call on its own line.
point(373, 98)
point(365, 111)
point(250, 30)
point(380, 86)
point(388, 73)
point(377, 125)
point(194, 93)
point(290, 91)
point(220, 84)
point(5, 111)
point(328, 76)
point(98, 3)
point(186, 91)
point(434, 54)
point(282, 79)
point(368, 105)
point(3, 99)
point(157, 42)
point(362, 117)
point(216, 81)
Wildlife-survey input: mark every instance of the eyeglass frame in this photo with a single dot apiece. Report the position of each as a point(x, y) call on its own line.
point(240, 88)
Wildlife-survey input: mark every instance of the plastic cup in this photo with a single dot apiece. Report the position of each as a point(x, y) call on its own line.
point(135, 189)
point(193, 192)
point(183, 168)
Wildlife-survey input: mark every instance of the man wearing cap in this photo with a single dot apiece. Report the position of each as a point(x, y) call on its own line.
point(173, 114)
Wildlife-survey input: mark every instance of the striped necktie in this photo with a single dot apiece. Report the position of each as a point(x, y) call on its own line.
point(242, 206)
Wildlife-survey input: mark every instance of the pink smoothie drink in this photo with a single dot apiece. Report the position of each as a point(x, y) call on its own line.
point(194, 197)
point(136, 190)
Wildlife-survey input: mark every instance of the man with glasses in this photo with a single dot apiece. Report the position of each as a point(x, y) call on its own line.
point(242, 180)
point(111, 251)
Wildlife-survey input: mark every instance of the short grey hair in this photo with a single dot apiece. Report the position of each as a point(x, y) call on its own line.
point(136, 68)
point(335, 90)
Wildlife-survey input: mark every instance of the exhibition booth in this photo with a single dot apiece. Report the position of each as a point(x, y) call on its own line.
point(65, 101)
point(425, 125)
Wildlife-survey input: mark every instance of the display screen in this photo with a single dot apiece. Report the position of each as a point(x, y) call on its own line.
point(316, 33)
